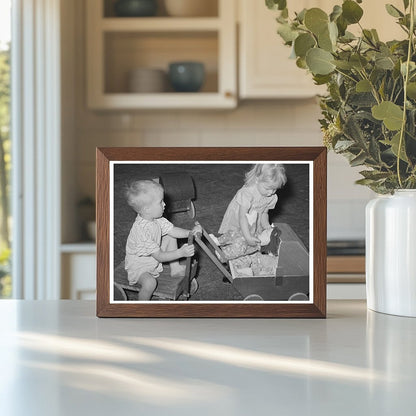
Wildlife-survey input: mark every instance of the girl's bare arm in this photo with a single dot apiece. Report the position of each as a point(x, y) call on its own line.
point(245, 229)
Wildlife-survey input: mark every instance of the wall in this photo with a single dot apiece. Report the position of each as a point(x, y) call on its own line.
point(253, 123)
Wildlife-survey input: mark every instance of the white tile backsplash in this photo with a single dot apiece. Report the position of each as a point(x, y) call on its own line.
point(346, 219)
point(257, 123)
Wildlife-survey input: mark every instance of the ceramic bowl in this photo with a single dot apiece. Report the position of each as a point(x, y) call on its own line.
point(147, 80)
point(135, 8)
point(191, 8)
point(186, 76)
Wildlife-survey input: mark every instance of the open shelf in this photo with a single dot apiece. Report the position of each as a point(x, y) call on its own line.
point(127, 51)
point(116, 46)
point(161, 24)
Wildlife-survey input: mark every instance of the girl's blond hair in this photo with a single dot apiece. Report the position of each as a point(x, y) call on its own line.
point(267, 172)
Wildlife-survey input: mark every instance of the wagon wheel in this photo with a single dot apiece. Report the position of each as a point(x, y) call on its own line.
point(298, 296)
point(192, 289)
point(192, 210)
point(252, 297)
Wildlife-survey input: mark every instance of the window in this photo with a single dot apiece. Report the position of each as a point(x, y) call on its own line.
point(5, 147)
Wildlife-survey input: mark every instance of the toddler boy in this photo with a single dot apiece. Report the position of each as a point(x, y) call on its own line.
point(152, 239)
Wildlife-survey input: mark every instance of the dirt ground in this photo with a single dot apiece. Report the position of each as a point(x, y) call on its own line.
point(215, 186)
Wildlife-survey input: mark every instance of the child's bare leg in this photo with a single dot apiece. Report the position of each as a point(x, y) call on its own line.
point(169, 244)
point(148, 285)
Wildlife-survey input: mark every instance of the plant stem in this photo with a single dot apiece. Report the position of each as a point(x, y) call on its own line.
point(373, 88)
point(346, 75)
point(405, 81)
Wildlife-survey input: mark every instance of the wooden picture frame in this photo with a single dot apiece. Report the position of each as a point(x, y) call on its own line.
point(209, 171)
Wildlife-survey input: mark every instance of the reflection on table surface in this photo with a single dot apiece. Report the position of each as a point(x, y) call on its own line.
point(58, 358)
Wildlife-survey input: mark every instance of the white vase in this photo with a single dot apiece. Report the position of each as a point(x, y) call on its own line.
point(391, 253)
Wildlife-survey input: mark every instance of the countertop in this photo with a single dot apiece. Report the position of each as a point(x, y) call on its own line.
point(57, 358)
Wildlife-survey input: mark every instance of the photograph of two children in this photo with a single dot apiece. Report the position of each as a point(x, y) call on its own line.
point(211, 231)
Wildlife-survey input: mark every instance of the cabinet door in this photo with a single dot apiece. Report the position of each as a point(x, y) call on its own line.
point(266, 71)
point(78, 276)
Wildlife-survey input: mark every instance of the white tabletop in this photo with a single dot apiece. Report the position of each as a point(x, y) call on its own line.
point(57, 358)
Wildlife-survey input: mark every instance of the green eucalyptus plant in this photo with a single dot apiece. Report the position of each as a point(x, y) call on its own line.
point(369, 112)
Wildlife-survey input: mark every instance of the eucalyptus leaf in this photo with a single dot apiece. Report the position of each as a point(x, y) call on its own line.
point(395, 142)
point(319, 61)
point(336, 12)
point(325, 42)
point(358, 160)
point(382, 89)
point(345, 65)
point(363, 86)
point(393, 11)
point(361, 100)
point(333, 32)
point(347, 37)
point(316, 20)
point(411, 90)
point(377, 75)
point(358, 61)
point(343, 145)
point(369, 36)
point(391, 114)
point(276, 4)
point(374, 174)
point(303, 43)
point(321, 79)
point(301, 15)
point(281, 19)
point(374, 151)
point(301, 63)
point(351, 11)
point(287, 33)
point(365, 182)
point(342, 25)
point(385, 50)
point(354, 132)
point(375, 35)
point(384, 62)
point(405, 21)
point(412, 67)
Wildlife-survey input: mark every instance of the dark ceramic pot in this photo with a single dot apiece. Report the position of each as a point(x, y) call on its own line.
point(135, 8)
point(186, 76)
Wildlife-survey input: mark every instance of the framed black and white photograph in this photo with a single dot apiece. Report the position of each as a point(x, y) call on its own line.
point(211, 232)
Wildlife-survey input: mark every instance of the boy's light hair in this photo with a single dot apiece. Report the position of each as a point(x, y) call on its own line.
point(267, 172)
point(141, 193)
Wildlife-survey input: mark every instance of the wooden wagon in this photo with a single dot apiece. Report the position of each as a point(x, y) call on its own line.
point(291, 280)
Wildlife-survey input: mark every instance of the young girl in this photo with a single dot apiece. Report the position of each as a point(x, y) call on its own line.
point(247, 214)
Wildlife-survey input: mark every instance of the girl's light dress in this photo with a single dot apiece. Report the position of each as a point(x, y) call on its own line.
point(249, 196)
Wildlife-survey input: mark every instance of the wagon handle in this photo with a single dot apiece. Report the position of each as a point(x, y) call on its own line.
point(217, 249)
point(209, 253)
point(188, 271)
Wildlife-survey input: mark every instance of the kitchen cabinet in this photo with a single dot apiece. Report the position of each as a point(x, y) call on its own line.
point(346, 277)
point(118, 45)
point(265, 70)
point(78, 263)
